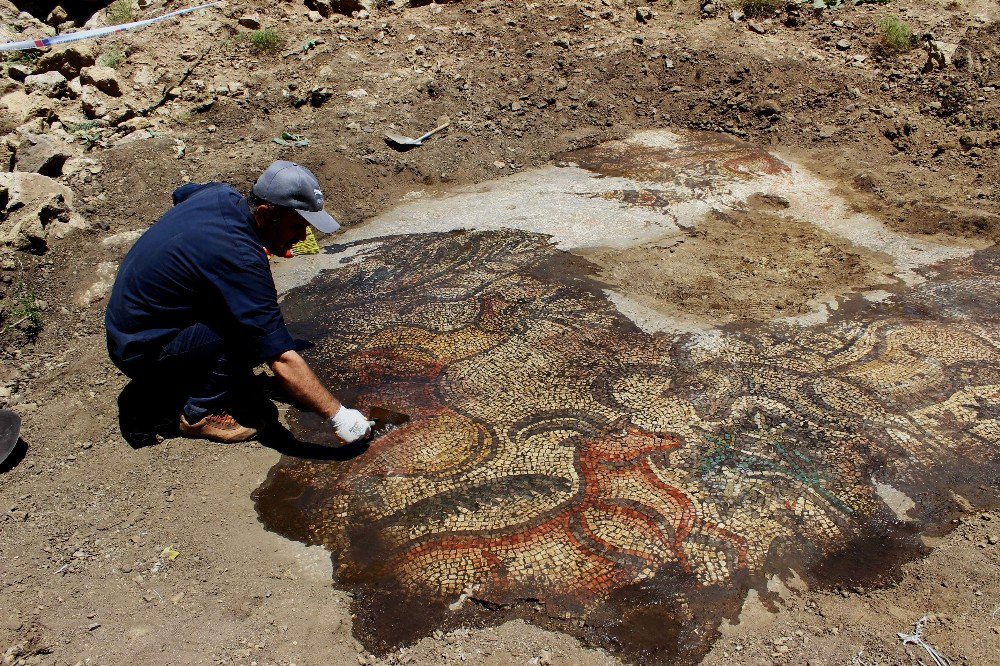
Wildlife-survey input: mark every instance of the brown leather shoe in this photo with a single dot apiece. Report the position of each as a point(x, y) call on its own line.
point(217, 427)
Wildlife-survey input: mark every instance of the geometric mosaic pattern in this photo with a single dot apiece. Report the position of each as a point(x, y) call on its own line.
point(556, 453)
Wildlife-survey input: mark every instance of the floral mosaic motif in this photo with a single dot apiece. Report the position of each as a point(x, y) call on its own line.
point(557, 453)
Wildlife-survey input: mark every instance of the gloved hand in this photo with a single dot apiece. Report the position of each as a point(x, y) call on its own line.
point(350, 424)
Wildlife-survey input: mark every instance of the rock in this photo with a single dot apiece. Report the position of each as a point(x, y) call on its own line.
point(144, 76)
point(826, 131)
point(708, 8)
point(132, 137)
point(940, 55)
point(327, 8)
point(57, 16)
point(42, 154)
point(50, 84)
point(769, 108)
point(68, 61)
point(736, 16)
point(37, 209)
point(843, 45)
point(94, 103)
point(250, 21)
point(643, 14)
point(105, 279)
point(21, 107)
point(122, 241)
point(756, 27)
point(104, 79)
point(19, 71)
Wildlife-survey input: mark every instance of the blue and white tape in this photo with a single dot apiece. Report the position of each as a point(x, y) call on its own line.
point(96, 32)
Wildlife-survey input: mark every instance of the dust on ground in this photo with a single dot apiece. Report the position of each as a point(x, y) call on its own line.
point(85, 520)
point(743, 265)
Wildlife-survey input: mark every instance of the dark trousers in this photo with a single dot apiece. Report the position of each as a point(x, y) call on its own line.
point(200, 367)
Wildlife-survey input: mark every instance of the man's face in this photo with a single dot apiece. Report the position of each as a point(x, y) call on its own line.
point(279, 228)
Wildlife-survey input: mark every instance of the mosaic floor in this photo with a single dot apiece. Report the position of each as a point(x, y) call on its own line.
point(566, 466)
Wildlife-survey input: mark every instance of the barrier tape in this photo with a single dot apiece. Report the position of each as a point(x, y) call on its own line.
point(96, 32)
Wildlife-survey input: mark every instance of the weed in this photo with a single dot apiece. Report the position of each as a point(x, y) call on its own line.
point(25, 311)
point(266, 40)
point(762, 8)
point(27, 56)
point(894, 36)
point(90, 133)
point(120, 11)
point(111, 58)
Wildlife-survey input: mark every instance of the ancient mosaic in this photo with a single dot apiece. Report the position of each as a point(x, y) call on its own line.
point(563, 464)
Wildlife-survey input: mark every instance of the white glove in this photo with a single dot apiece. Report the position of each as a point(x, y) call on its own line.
point(350, 424)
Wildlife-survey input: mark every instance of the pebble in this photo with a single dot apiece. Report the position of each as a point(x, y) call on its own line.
point(843, 45)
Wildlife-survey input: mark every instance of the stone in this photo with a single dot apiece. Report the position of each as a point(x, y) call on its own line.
point(769, 108)
point(643, 14)
point(756, 27)
point(37, 209)
point(21, 107)
point(843, 45)
point(104, 280)
point(826, 131)
point(736, 16)
point(42, 154)
point(104, 79)
point(327, 8)
point(144, 76)
point(250, 21)
point(50, 84)
point(19, 71)
point(57, 16)
point(122, 241)
point(68, 60)
point(94, 103)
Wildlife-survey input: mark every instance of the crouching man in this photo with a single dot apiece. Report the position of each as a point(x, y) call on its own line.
point(194, 305)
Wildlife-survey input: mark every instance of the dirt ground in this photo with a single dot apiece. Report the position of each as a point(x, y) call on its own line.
point(88, 525)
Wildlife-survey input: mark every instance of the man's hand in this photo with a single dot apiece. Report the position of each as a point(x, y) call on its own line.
point(350, 424)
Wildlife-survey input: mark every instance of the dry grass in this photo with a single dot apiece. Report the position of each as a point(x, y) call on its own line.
point(894, 36)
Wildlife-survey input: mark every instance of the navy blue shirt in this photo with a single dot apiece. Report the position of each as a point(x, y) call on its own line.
point(202, 262)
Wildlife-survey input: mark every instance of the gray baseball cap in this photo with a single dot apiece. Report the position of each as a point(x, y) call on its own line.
point(292, 186)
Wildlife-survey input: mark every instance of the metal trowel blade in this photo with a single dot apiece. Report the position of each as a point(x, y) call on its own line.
point(10, 431)
point(386, 421)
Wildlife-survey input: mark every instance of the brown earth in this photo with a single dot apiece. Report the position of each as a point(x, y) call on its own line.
point(742, 265)
point(85, 520)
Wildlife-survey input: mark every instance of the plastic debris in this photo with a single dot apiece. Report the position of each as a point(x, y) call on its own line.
point(169, 554)
point(917, 638)
point(289, 139)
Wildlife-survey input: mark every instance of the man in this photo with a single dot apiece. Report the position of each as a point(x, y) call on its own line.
point(194, 305)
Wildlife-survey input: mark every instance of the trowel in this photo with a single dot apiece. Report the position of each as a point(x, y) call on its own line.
point(400, 142)
point(10, 431)
point(316, 431)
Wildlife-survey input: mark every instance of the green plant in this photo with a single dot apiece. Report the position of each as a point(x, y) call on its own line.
point(27, 56)
point(120, 11)
point(25, 311)
point(266, 40)
point(894, 36)
point(762, 8)
point(111, 58)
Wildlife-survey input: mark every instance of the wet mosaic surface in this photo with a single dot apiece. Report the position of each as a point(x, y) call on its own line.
point(563, 465)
